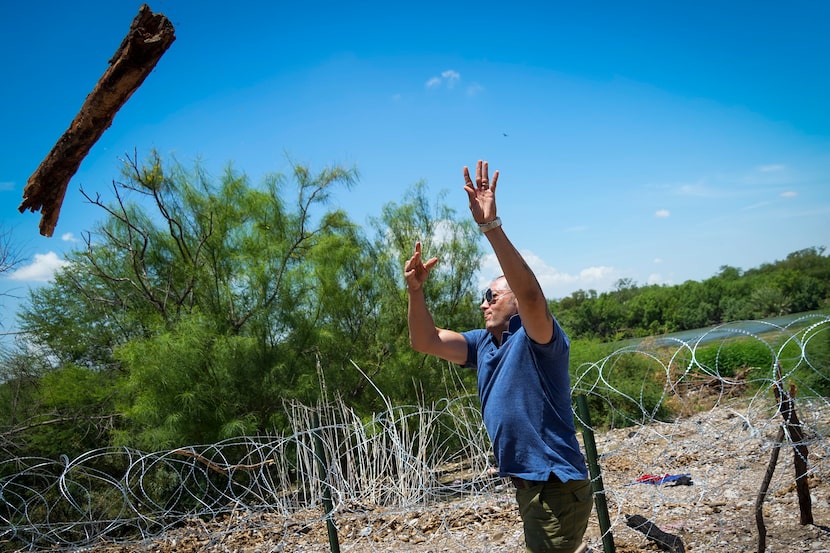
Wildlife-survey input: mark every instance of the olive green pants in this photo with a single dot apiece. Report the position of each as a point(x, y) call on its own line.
point(555, 515)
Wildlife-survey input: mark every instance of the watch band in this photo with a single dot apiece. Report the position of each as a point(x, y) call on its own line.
point(490, 225)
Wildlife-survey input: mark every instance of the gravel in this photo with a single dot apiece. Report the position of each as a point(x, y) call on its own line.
point(724, 451)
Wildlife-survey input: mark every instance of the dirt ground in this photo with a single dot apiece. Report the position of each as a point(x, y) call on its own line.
point(725, 453)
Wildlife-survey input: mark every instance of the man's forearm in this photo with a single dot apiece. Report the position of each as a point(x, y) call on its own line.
point(518, 273)
point(421, 324)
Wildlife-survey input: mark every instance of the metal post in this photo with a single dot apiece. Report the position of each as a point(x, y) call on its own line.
point(596, 476)
point(328, 507)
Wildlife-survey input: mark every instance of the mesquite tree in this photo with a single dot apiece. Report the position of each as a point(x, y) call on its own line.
point(213, 302)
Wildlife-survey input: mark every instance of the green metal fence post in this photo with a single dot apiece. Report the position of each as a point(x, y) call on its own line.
point(596, 475)
point(328, 506)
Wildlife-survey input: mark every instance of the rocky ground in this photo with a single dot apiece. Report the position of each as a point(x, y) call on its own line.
point(725, 452)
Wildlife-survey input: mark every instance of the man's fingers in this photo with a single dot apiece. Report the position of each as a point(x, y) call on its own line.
point(415, 261)
point(494, 181)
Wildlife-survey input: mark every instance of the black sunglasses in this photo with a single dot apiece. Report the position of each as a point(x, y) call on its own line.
point(491, 298)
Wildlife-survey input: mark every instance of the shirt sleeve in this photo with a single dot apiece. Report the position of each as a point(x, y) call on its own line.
point(473, 339)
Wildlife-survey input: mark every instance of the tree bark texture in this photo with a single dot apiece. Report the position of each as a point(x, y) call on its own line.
point(150, 35)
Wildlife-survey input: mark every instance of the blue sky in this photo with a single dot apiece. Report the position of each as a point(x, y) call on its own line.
point(653, 141)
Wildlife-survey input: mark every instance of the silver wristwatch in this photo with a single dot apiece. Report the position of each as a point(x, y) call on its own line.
point(490, 225)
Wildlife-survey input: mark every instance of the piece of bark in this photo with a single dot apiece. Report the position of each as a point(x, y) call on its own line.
point(664, 540)
point(150, 35)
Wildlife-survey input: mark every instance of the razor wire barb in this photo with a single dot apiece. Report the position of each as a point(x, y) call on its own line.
point(648, 393)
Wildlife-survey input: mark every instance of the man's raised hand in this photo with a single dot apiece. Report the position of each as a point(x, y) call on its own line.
point(416, 271)
point(482, 193)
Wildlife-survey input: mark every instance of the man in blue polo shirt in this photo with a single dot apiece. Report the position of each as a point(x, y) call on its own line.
point(521, 356)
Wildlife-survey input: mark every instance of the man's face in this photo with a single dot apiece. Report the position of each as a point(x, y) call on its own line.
point(498, 305)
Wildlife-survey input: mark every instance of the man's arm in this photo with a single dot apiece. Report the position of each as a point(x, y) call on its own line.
point(424, 336)
point(533, 307)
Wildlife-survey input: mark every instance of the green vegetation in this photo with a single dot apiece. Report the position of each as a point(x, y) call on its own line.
point(798, 284)
point(202, 309)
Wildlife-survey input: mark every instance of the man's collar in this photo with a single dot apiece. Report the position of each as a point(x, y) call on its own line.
point(514, 324)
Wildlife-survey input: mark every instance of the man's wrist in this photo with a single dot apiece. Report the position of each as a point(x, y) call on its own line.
point(490, 225)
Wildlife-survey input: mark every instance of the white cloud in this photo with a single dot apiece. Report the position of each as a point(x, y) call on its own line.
point(578, 228)
point(730, 185)
point(68, 237)
point(596, 274)
point(697, 190)
point(433, 82)
point(658, 260)
point(6, 185)
point(657, 278)
point(789, 194)
point(41, 270)
point(554, 283)
point(448, 78)
point(444, 232)
point(662, 213)
point(474, 89)
point(714, 186)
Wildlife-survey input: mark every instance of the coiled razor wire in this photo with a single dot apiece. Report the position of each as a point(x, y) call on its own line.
point(408, 456)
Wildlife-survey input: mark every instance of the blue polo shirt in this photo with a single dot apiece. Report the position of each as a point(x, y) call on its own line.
point(525, 395)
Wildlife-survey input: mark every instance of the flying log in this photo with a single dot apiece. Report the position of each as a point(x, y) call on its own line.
point(149, 37)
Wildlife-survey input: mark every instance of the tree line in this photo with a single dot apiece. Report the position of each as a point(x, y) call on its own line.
point(199, 308)
point(797, 284)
